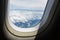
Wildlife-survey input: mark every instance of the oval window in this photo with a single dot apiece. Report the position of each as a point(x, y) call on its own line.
point(25, 15)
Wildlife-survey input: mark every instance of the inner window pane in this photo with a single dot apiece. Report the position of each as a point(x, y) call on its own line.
point(26, 13)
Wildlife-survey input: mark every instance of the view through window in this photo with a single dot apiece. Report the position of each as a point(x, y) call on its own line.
point(25, 15)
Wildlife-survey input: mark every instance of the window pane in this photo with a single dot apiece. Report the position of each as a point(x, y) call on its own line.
point(26, 13)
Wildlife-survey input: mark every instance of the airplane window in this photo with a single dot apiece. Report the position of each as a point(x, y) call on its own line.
point(25, 15)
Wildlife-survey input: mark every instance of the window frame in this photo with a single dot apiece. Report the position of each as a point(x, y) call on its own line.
point(49, 10)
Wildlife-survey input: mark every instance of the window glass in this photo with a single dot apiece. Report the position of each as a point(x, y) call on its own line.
point(25, 15)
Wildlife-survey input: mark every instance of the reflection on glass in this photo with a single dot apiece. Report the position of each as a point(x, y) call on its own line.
point(26, 13)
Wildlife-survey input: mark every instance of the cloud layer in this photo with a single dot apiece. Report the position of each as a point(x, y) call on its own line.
point(26, 13)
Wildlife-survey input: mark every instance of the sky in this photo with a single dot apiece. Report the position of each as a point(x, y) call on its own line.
point(25, 10)
point(28, 4)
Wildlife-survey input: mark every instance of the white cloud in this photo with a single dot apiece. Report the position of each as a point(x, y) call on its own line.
point(24, 16)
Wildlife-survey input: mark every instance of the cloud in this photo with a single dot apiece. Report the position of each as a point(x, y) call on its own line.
point(24, 16)
point(26, 9)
